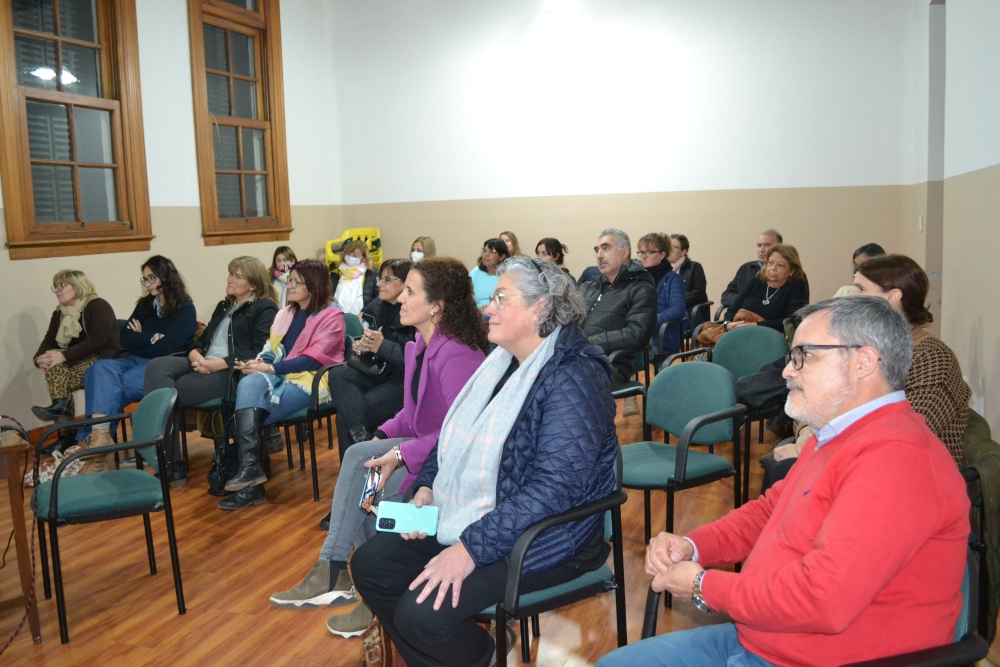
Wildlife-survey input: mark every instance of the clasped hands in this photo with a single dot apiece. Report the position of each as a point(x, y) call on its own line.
point(668, 561)
point(49, 360)
point(252, 366)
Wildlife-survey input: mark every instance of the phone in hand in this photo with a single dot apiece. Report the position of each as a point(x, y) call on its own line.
point(368, 494)
point(405, 518)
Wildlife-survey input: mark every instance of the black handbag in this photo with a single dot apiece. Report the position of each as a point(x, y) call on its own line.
point(370, 366)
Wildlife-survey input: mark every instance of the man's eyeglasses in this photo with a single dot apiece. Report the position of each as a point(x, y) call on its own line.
point(797, 355)
point(58, 288)
point(148, 280)
point(498, 299)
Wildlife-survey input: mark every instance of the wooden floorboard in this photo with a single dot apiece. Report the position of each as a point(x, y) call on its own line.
point(232, 561)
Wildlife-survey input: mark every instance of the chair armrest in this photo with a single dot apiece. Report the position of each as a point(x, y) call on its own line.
point(967, 651)
point(612, 501)
point(693, 426)
point(76, 425)
point(969, 474)
point(317, 379)
point(718, 311)
point(662, 333)
point(652, 610)
point(684, 355)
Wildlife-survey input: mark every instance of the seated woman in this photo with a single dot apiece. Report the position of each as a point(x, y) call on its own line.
point(934, 384)
point(306, 335)
point(238, 330)
point(357, 283)
point(670, 302)
point(531, 435)
point(484, 277)
point(449, 347)
point(422, 248)
point(690, 271)
point(82, 330)
point(162, 323)
point(281, 263)
point(552, 250)
point(780, 290)
point(510, 240)
point(364, 402)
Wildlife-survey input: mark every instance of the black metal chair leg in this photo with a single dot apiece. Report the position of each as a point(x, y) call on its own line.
point(525, 642)
point(535, 629)
point(667, 597)
point(288, 450)
point(175, 561)
point(746, 462)
point(302, 447)
point(500, 628)
point(149, 543)
point(312, 457)
point(329, 433)
point(42, 553)
point(646, 514)
point(57, 579)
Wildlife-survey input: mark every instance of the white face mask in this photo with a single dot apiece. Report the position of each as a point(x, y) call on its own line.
point(416, 256)
point(352, 261)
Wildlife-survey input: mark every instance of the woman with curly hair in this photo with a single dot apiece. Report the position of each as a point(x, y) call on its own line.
point(162, 323)
point(449, 346)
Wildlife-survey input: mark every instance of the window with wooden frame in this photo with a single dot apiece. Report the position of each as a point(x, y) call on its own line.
point(72, 158)
point(239, 120)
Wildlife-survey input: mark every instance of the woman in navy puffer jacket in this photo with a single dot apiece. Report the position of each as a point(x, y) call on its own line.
point(531, 435)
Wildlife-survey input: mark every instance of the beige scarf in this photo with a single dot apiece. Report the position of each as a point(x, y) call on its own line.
point(71, 323)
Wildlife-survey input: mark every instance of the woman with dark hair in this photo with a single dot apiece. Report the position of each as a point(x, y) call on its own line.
point(355, 284)
point(306, 335)
point(162, 323)
point(860, 256)
point(449, 346)
point(670, 306)
point(281, 263)
point(484, 276)
point(531, 435)
point(552, 250)
point(238, 330)
point(934, 384)
point(690, 271)
point(364, 402)
point(780, 290)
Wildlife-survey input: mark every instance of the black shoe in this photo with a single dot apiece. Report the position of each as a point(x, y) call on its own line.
point(360, 434)
point(60, 445)
point(249, 422)
point(324, 523)
point(273, 440)
point(254, 495)
point(58, 411)
point(303, 431)
point(179, 477)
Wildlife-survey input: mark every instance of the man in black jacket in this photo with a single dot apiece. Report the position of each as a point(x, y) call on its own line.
point(621, 303)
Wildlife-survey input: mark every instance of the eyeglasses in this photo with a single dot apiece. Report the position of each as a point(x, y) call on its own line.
point(489, 251)
point(292, 282)
point(387, 279)
point(148, 280)
point(797, 355)
point(498, 299)
point(58, 288)
point(643, 254)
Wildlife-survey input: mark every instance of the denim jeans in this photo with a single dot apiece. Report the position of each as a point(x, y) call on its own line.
point(252, 392)
point(111, 384)
point(351, 526)
point(700, 647)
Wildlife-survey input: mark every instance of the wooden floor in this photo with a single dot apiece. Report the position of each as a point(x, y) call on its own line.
point(232, 561)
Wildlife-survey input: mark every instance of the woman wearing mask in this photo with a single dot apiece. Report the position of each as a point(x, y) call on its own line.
point(422, 248)
point(357, 283)
point(281, 264)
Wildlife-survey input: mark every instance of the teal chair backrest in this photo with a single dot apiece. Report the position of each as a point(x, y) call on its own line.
point(353, 326)
point(150, 420)
point(744, 351)
point(962, 625)
point(681, 392)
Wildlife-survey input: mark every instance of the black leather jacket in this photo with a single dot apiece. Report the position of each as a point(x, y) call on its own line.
point(695, 283)
point(248, 329)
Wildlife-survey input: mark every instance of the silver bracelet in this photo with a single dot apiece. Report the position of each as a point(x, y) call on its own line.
point(399, 456)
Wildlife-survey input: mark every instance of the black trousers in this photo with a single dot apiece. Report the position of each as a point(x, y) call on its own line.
point(360, 401)
point(383, 568)
point(193, 388)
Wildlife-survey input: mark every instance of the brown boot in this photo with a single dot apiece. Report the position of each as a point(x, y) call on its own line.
point(100, 438)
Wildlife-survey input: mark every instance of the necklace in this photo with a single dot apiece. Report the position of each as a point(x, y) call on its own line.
point(768, 295)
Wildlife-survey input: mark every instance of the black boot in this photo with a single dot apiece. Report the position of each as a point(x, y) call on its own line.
point(58, 411)
point(273, 440)
point(252, 495)
point(249, 423)
point(224, 465)
point(324, 523)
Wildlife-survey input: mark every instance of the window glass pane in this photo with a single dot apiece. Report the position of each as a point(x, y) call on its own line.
point(226, 156)
point(34, 15)
point(256, 187)
point(245, 4)
point(215, 48)
point(36, 62)
point(253, 150)
point(218, 94)
point(81, 73)
point(244, 99)
point(78, 20)
point(242, 46)
point(97, 195)
point(48, 131)
point(93, 135)
point(227, 186)
point(53, 191)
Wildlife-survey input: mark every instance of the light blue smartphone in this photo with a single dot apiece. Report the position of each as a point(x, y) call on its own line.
point(406, 518)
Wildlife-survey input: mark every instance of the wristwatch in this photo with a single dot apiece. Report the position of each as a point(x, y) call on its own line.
point(697, 598)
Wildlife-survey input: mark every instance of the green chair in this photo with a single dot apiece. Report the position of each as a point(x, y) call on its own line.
point(744, 351)
point(353, 326)
point(113, 494)
point(634, 387)
point(603, 579)
point(695, 401)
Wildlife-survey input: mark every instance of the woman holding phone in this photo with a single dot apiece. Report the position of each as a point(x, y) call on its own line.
point(450, 345)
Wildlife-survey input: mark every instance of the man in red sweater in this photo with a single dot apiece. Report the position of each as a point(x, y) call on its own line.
point(859, 552)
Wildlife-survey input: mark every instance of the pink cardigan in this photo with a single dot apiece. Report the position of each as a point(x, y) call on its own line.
point(322, 338)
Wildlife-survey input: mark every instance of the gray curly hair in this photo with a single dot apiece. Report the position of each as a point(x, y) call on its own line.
point(543, 280)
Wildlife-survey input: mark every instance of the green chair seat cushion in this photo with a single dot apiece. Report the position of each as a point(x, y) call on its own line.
point(108, 491)
point(651, 464)
point(599, 575)
point(303, 414)
point(212, 404)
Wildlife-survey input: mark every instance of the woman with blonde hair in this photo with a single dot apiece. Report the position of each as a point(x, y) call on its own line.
point(356, 282)
point(513, 247)
point(780, 290)
point(82, 330)
point(237, 331)
point(422, 248)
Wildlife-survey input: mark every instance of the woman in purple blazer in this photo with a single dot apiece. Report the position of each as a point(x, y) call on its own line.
point(450, 344)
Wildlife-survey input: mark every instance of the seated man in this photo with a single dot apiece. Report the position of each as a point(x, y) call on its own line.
point(621, 303)
point(859, 553)
point(747, 273)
